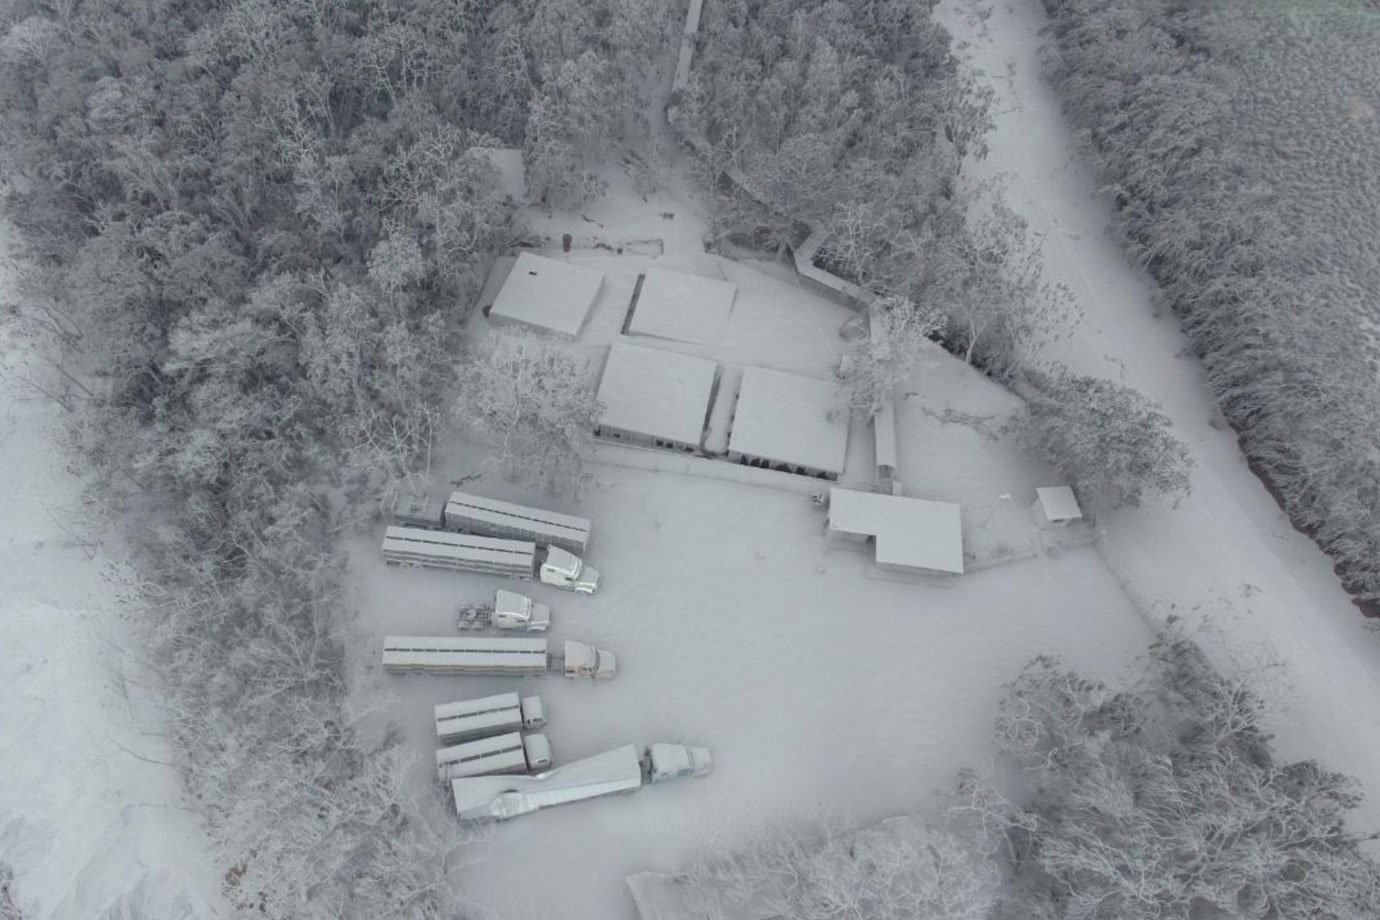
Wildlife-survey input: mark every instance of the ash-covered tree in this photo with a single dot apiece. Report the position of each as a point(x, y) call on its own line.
point(1163, 798)
point(898, 334)
point(1113, 442)
point(534, 403)
point(904, 869)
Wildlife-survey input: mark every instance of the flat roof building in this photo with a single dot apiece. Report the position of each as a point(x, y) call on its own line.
point(655, 398)
point(683, 307)
point(911, 534)
point(791, 423)
point(547, 294)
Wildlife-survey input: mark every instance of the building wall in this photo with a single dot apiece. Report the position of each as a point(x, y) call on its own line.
point(624, 436)
point(764, 463)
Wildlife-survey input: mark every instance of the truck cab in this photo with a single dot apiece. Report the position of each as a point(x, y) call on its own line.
point(420, 511)
point(518, 611)
point(583, 660)
point(563, 569)
point(664, 762)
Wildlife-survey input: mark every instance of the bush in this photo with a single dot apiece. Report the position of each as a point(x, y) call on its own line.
point(1114, 443)
point(1162, 798)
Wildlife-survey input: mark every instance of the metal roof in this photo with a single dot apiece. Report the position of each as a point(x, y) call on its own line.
point(656, 393)
point(683, 307)
point(548, 294)
point(1059, 503)
point(910, 533)
point(792, 419)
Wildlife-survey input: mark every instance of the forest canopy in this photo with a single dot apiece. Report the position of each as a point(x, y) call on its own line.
point(1241, 143)
point(259, 223)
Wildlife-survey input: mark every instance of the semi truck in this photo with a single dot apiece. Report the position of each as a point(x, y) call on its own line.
point(499, 714)
point(494, 655)
point(465, 512)
point(509, 610)
point(493, 756)
point(520, 559)
point(620, 771)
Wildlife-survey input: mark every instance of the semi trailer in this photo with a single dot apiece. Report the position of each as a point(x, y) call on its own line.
point(520, 559)
point(465, 512)
point(499, 714)
point(620, 771)
point(509, 610)
point(494, 655)
point(493, 756)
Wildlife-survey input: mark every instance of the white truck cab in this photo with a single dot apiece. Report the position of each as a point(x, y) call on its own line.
point(583, 660)
point(662, 762)
point(563, 569)
point(518, 611)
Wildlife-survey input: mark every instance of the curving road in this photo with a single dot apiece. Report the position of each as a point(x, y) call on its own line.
point(1226, 558)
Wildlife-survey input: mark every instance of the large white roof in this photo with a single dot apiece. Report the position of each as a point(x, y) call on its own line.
point(656, 393)
point(684, 307)
point(910, 532)
point(788, 418)
point(1059, 503)
point(548, 294)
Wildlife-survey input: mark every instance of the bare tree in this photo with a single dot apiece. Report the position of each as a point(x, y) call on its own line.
point(901, 869)
point(898, 336)
point(534, 403)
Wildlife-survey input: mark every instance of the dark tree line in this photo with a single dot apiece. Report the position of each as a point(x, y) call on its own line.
point(1242, 145)
point(852, 117)
point(259, 222)
point(1155, 796)
point(1162, 796)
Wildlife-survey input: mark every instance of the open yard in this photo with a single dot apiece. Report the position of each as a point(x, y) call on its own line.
point(823, 686)
point(813, 677)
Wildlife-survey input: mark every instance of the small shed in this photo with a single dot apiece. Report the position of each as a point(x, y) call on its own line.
point(655, 398)
point(910, 534)
point(682, 307)
point(789, 423)
point(547, 294)
point(1055, 506)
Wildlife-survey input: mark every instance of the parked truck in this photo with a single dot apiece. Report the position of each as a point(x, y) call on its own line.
point(494, 756)
point(499, 714)
point(620, 771)
point(465, 512)
point(520, 559)
point(509, 610)
point(494, 655)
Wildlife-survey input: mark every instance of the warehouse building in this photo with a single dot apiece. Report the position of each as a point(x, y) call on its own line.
point(910, 534)
point(789, 423)
point(655, 398)
point(682, 307)
point(547, 294)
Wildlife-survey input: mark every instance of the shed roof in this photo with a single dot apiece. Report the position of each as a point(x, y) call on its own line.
point(656, 393)
point(684, 307)
point(548, 294)
point(792, 419)
point(1059, 503)
point(910, 532)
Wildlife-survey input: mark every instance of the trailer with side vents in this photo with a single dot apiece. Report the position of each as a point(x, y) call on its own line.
point(494, 655)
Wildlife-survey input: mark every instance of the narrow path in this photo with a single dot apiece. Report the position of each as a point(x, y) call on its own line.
point(1226, 559)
